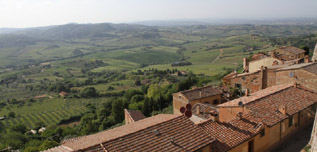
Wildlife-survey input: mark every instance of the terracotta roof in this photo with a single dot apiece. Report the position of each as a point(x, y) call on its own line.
point(311, 68)
point(256, 96)
point(201, 92)
point(135, 115)
point(163, 132)
point(294, 99)
point(262, 111)
point(295, 66)
point(258, 56)
point(206, 110)
point(231, 134)
point(291, 49)
point(230, 75)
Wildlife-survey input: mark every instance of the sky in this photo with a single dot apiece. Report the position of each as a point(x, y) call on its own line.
point(33, 13)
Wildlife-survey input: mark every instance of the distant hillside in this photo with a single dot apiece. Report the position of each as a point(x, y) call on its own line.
point(9, 30)
point(190, 22)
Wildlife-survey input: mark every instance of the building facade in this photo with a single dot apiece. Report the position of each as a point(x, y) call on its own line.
point(206, 94)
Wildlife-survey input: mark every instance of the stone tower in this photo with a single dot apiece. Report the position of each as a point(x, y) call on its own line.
point(314, 59)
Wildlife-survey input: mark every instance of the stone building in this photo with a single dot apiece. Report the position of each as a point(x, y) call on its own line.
point(259, 121)
point(287, 53)
point(268, 76)
point(207, 94)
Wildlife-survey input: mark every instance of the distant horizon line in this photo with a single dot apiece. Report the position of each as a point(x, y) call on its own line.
point(203, 20)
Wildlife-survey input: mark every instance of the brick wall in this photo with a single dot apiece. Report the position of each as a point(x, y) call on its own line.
point(303, 77)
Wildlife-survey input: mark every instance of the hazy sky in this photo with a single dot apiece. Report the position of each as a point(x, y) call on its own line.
point(30, 13)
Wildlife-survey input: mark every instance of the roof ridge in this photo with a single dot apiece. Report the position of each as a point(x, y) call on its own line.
point(125, 126)
point(135, 131)
point(199, 88)
point(257, 95)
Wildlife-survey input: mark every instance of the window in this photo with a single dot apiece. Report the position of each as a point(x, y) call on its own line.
point(262, 134)
point(216, 102)
point(237, 85)
point(290, 121)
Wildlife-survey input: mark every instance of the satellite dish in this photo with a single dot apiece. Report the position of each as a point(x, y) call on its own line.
point(189, 107)
point(188, 114)
point(240, 104)
point(182, 110)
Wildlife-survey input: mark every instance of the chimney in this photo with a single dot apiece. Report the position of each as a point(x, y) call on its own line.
point(295, 85)
point(245, 64)
point(200, 93)
point(247, 92)
point(306, 60)
point(198, 109)
point(282, 109)
point(272, 54)
point(261, 77)
point(239, 115)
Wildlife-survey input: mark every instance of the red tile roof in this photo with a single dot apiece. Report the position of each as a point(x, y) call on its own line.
point(291, 49)
point(257, 95)
point(231, 134)
point(201, 92)
point(163, 132)
point(263, 109)
point(258, 56)
point(135, 115)
point(311, 68)
point(294, 99)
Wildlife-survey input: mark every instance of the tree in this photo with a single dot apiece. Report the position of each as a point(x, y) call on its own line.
point(31, 149)
point(47, 144)
point(137, 82)
point(39, 125)
point(16, 140)
point(11, 114)
point(89, 92)
point(2, 127)
point(117, 110)
point(21, 128)
point(147, 107)
point(154, 91)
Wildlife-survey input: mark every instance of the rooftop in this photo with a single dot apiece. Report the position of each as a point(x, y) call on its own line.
point(231, 134)
point(160, 133)
point(291, 49)
point(205, 110)
point(295, 66)
point(201, 92)
point(134, 114)
point(312, 68)
point(256, 96)
point(262, 109)
point(293, 99)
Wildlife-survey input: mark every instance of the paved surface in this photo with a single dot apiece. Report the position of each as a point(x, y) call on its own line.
point(296, 142)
